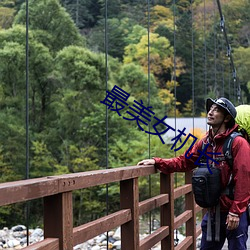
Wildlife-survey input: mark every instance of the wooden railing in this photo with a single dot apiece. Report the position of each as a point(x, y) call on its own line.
point(56, 192)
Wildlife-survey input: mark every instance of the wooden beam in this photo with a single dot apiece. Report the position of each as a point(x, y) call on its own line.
point(167, 210)
point(190, 205)
point(90, 230)
point(198, 231)
point(155, 237)
point(98, 177)
point(185, 244)
point(182, 190)
point(182, 218)
point(46, 244)
point(19, 191)
point(58, 219)
point(198, 208)
point(24, 190)
point(152, 203)
point(129, 197)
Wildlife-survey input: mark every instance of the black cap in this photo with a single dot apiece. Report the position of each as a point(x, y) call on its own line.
point(223, 103)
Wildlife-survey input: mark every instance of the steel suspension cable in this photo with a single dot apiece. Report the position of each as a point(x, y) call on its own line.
point(215, 53)
point(106, 115)
point(27, 207)
point(229, 53)
point(149, 137)
point(192, 24)
point(175, 93)
point(205, 50)
point(174, 71)
point(222, 68)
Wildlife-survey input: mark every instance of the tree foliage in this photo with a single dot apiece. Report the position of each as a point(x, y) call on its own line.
point(156, 54)
point(53, 25)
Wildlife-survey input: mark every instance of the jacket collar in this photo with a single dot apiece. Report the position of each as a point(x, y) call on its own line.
point(222, 136)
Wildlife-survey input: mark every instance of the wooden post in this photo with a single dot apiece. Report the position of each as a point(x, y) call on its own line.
point(190, 205)
point(167, 210)
point(58, 219)
point(129, 197)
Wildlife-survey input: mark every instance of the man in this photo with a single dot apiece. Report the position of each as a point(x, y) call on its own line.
point(221, 115)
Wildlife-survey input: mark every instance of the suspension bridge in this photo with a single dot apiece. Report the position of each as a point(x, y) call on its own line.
point(56, 192)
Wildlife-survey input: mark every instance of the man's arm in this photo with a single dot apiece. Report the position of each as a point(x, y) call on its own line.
point(177, 164)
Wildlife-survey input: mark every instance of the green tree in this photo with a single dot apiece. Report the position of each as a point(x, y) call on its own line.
point(242, 64)
point(42, 163)
point(8, 9)
point(53, 25)
point(117, 31)
point(132, 78)
point(6, 17)
point(13, 60)
point(84, 13)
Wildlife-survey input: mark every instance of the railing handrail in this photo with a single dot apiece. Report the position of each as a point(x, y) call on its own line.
point(24, 190)
point(58, 208)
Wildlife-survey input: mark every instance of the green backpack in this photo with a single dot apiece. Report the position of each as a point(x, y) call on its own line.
point(243, 120)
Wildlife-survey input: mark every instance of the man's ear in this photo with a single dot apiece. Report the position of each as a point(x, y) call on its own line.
point(227, 118)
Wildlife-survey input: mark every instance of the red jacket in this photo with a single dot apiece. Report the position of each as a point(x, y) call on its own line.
point(241, 168)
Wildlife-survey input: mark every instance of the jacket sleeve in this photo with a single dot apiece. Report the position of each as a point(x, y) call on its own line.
point(182, 163)
point(241, 175)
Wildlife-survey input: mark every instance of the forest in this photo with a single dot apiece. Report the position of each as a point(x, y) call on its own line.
point(170, 55)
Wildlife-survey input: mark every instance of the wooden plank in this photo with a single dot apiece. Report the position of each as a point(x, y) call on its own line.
point(198, 231)
point(58, 219)
point(24, 190)
point(167, 210)
point(154, 238)
point(46, 244)
point(129, 196)
point(190, 205)
point(182, 190)
point(152, 203)
point(90, 230)
point(185, 244)
point(98, 177)
point(198, 208)
point(182, 218)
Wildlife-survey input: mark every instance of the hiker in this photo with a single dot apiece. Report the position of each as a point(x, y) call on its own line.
point(221, 115)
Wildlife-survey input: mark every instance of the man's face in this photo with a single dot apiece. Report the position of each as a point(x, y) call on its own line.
point(215, 116)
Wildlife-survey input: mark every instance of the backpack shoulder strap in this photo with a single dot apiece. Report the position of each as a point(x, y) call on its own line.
point(227, 148)
point(203, 158)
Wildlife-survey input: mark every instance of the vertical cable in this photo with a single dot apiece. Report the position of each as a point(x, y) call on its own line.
point(107, 121)
point(174, 73)
point(192, 24)
point(27, 207)
point(222, 68)
point(230, 57)
point(235, 89)
point(205, 51)
point(205, 54)
point(223, 80)
point(175, 92)
point(149, 142)
point(215, 52)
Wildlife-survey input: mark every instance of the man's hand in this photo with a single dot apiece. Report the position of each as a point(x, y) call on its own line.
point(232, 222)
point(146, 162)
